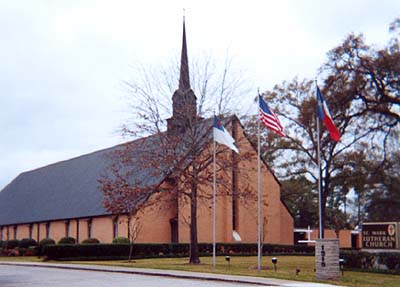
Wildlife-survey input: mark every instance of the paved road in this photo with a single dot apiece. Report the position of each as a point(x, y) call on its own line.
point(35, 274)
point(23, 276)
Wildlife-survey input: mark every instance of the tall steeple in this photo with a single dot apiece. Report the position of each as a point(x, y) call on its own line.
point(184, 111)
point(184, 80)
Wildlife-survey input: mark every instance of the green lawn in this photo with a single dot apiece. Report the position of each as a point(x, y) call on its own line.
point(286, 269)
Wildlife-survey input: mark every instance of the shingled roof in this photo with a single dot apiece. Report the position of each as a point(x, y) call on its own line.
point(67, 189)
point(71, 188)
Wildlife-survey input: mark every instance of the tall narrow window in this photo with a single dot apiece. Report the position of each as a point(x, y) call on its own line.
point(67, 228)
point(174, 230)
point(48, 230)
point(77, 231)
point(89, 228)
point(1, 233)
point(38, 233)
point(15, 231)
point(128, 222)
point(30, 230)
point(115, 227)
point(235, 209)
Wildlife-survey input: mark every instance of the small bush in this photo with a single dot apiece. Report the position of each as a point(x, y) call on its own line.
point(10, 244)
point(46, 241)
point(32, 251)
point(121, 240)
point(43, 243)
point(67, 240)
point(26, 243)
point(21, 251)
point(91, 241)
point(391, 260)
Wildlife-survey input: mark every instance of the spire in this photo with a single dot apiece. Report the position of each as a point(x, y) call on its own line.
point(184, 81)
point(184, 111)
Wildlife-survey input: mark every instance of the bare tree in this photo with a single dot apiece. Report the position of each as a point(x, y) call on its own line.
point(175, 161)
point(219, 88)
point(171, 169)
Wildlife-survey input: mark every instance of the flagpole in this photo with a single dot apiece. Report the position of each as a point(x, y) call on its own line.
point(321, 219)
point(214, 204)
point(271, 121)
point(259, 197)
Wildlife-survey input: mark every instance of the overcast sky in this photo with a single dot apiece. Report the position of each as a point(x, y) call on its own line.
point(62, 62)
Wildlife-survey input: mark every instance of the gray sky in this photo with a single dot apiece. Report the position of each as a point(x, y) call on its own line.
point(62, 62)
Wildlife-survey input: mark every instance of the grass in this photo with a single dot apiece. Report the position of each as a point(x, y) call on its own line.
point(247, 266)
point(21, 259)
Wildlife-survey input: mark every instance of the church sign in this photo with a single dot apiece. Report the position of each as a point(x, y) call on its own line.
point(380, 235)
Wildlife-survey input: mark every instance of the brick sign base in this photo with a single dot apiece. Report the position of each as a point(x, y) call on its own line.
point(327, 259)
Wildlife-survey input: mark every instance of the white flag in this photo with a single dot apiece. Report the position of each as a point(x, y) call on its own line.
point(222, 136)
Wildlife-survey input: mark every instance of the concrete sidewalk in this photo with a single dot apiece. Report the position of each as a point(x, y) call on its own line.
point(174, 274)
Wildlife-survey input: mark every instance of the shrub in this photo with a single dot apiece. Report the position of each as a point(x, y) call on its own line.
point(121, 240)
point(21, 251)
point(357, 259)
point(10, 244)
point(43, 243)
point(365, 260)
point(46, 241)
point(91, 241)
point(391, 260)
point(26, 243)
point(32, 251)
point(67, 240)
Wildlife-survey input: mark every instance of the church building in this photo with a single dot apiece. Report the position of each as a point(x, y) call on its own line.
point(67, 199)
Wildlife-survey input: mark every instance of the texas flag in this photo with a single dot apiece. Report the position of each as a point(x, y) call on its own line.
point(222, 136)
point(324, 115)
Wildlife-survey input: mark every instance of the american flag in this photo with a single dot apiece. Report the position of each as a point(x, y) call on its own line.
point(269, 118)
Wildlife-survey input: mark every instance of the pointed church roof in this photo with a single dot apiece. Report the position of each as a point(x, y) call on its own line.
point(184, 80)
point(71, 188)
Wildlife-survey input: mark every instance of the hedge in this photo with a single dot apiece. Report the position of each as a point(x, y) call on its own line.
point(371, 261)
point(10, 244)
point(142, 250)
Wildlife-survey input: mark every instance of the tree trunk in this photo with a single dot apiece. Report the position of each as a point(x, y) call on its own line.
point(194, 248)
point(130, 252)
